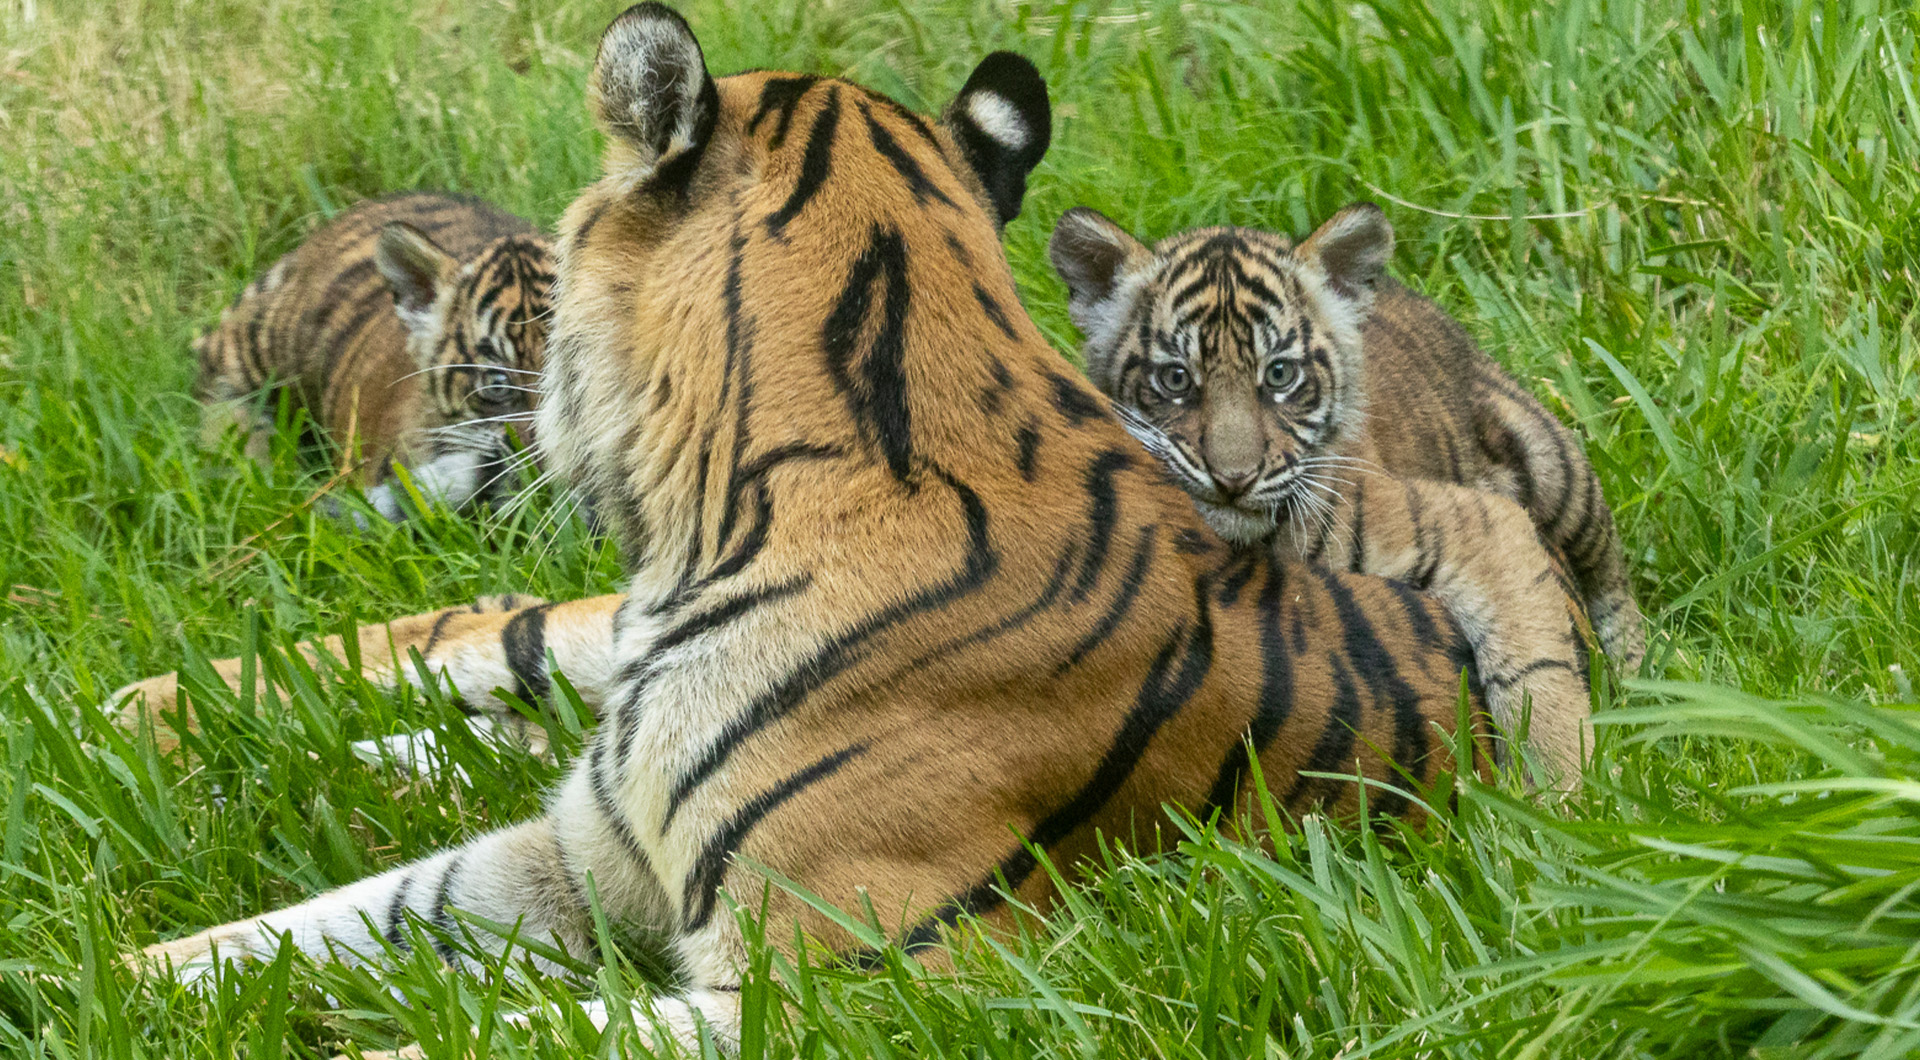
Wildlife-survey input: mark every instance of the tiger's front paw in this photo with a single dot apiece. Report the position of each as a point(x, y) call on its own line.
point(193, 958)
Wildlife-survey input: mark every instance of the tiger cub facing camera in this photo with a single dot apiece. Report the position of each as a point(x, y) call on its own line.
point(411, 329)
point(1305, 399)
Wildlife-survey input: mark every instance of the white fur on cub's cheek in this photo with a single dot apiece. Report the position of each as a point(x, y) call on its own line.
point(1103, 324)
point(999, 119)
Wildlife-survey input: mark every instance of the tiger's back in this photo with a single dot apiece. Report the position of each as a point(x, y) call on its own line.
point(381, 353)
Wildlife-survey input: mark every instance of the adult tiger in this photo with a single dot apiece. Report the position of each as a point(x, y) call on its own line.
point(410, 328)
point(899, 578)
point(1312, 405)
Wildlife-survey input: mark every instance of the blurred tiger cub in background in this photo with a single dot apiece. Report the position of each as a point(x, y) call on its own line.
point(1263, 375)
point(411, 329)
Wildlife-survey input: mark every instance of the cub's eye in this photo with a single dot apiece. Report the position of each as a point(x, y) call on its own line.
point(495, 388)
point(1281, 375)
point(1173, 380)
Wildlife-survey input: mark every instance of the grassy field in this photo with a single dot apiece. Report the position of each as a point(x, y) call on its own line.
point(1692, 227)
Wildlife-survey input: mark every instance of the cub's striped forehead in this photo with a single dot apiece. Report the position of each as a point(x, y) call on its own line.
point(510, 282)
point(1223, 284)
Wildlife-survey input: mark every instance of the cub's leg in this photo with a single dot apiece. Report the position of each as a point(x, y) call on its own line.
point(498, 642)
point(1481, 556)
point(1543, 466)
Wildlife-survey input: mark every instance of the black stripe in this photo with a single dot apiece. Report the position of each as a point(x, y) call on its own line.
point(1357, 544)
point(1122, 601)
point(738, 367)
point(581, 233)
point(1335, 745)
point(1191, 542)
point(437, 912)
point(848, 648)
point(877, 397)
point(995, 313)
point(1515, 676)
point(903, 163)
point(1048, 594)
point(396, 919)
point(703, 879)
point(730, 610)
point(780, 95)
point(1029, 441)
point(815, 165)
point(439, 628)
point(1276, 698)
point(348, 286)
point(993, 396)
point(1419, 618)
point(1381, 672)
point(1239, 570)
point(1102, 509)
point(1160, 698)
point(524, 643)
point(603, 799)
point(1072, 400)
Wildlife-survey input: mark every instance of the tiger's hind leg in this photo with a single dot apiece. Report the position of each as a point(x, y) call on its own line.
point(1480, 554)
point(1542, 465)
point(535, 877)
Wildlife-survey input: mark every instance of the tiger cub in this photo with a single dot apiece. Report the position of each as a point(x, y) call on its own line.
point(1278, 384)
point(411, 329)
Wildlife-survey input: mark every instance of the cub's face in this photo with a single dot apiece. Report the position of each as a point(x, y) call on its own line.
point(745, 232)
point(477, 330)
point(1237, 354)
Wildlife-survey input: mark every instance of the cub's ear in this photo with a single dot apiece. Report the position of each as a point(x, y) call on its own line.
point(1351, 249)
point(416, 270)
point(1090, 252)
point(652, 95)
point(1003, 124)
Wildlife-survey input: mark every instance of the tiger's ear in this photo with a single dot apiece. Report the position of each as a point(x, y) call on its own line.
point(1351, 249)
point(1094, 255)
point(651, 93)
point(416, 270)
point(1003, 124)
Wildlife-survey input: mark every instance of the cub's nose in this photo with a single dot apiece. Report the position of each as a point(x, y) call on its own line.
point(1233, 483)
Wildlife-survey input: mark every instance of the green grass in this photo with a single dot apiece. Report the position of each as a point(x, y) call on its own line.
point(1693, 229)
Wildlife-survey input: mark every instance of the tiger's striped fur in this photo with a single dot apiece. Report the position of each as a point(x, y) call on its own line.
point(411, 329)
point(899, 578)
point(1265, 374)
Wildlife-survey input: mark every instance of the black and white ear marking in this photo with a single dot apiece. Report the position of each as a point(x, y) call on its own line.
point(1351, 249)
point(651, 92)
point(1003, 122)
point(416, 270)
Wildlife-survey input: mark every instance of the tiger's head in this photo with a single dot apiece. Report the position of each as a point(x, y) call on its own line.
point(1237, 354)
point(477, 329)
point(744, 269)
